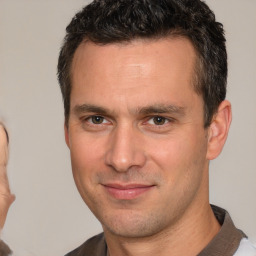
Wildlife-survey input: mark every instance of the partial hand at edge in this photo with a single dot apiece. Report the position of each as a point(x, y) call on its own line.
point(6, 198)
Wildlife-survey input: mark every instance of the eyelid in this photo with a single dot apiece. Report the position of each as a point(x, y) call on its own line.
point(168, 119)
point(106, 120)
point(89, 117)
point(153, 123)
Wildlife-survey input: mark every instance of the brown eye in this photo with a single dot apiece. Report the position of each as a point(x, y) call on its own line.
point(97, 119)
point(158, 120)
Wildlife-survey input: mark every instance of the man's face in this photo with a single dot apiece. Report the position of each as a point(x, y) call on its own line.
point(136, 134)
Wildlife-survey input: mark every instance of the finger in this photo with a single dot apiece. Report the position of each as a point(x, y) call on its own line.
point(4, 152)
point(6, 198)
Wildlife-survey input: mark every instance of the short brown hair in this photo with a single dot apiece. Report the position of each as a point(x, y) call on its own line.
point(107, 21)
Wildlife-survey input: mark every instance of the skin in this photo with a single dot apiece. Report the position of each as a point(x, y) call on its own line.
point(6, 198)
point(139, 149)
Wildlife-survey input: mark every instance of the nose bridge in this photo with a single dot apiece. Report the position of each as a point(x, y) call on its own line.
point(124, 150)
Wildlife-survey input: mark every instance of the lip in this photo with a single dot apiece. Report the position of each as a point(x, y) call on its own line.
point(127, 191)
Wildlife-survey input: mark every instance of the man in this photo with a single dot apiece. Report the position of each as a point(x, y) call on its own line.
point(144, 85)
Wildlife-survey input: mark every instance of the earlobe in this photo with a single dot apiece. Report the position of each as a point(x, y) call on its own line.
point(66, 134)
point(218, 130)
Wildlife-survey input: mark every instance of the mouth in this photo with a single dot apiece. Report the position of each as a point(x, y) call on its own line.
point(127, 191)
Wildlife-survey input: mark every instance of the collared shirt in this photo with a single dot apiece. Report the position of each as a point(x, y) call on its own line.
point(227, 240)
point(225, 243)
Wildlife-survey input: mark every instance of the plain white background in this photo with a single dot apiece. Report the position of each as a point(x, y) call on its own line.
point(48, 217)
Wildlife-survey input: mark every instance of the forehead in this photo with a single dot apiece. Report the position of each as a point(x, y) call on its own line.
point(127, 71)
point(135, 55)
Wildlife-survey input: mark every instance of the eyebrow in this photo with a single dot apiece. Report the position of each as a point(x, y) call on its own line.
point(151, 109)
point(84, 108)
point(161, 109)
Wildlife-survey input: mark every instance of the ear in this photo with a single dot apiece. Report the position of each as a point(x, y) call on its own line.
point(66, 134)
point(218, 130)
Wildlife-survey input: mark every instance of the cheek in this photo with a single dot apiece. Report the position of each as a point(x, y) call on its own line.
point(169, 152)
point(86, 158)
point(180, 154)
point(85, 150)
point(182, 163)
point(85, 164)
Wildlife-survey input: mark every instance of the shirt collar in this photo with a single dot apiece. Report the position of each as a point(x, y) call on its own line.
point(228, 238)
point(225, 243)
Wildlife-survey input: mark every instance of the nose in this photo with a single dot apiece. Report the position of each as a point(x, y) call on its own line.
point(125, 150)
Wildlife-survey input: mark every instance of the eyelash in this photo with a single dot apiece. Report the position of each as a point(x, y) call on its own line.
point(94, 116)
point(166, 120)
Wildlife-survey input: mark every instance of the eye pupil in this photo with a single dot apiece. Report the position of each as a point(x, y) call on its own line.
point(97, 119)
point(158, 120)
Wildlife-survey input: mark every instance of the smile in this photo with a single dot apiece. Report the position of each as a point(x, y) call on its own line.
point(127, 192)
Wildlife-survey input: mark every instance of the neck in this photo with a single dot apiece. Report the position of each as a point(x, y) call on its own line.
point(194, 232)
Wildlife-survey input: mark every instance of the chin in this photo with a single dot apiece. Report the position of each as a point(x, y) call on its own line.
point(132, 226)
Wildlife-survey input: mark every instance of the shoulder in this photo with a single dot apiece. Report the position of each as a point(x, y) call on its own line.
point(246, 248)
point(95, 246)
point(4, 249)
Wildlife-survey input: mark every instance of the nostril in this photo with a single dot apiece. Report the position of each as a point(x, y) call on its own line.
point(123, 163)
point(120, 165)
